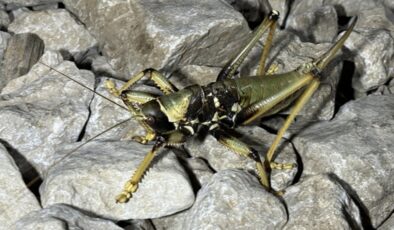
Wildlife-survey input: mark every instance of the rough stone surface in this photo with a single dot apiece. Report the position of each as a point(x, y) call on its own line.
point(371, 43)
point(220, 157)
point(388, 224)
point(14, 4)
point(23, 51)
point(4, 19)
point(59, 30)
point(60, 216)
point(166, 34)
point(320, 201)
point(234, 199)
point(15, 199)
point(321, 21)
point(357, 147)
point(105, 114)
point(194, 74)
point(44, 109)
point(91, 178)
point(4, 37)
point(101, 67)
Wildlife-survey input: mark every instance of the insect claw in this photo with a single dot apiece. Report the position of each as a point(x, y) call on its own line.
point(110, 85)
point(127, 192)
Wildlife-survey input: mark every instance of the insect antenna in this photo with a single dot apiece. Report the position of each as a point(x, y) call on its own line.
point(84, 86)
point(37, 178)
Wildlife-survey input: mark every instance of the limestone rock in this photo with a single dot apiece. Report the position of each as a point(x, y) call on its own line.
point(14, 4)
point(92, 177)
point(322, 24)
point(45, 109)
point(23, 51)
point(16, 199)
point(4, 19)
point(234, 199)
point(163, 35)
point(59, 30)
point(63, 217)
point(220, 157)
point(320, 201)
point(357, 147)
point(4, 37)
point(388, 224)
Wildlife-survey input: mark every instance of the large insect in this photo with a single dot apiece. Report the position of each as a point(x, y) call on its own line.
point(222, 105)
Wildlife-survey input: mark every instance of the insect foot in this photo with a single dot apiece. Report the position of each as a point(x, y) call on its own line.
point(127, 192)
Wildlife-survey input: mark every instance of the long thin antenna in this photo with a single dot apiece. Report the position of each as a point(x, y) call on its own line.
point(35, 179)
point(79, 83)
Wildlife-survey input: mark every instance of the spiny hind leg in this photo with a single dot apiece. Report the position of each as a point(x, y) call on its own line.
point(299, 104)
point(160, 81)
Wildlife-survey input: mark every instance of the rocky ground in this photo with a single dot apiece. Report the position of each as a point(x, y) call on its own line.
point(342, 141)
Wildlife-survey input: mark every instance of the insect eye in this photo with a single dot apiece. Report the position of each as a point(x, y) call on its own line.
point(150, 120)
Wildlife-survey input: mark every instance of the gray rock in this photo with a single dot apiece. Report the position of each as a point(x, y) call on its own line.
point(139, 225)
point(16, 198)
point(58, 29)
point(60, 216)
point(163, 35)
point(387, 224)
point(45, 109)
point(4, 37)
point(234, 199)
point(201, 174)
point(194, 74)
point(106, 114)
point(253, 10)
point(371, 43)
point(23, 51)
point(200, 170)
point(4, 19)
point(357, 147)
point(345, 7)
point(322, 22)
point(220, 157)
point(101, 67)
point(46, 6)
point(320, 201)
point(14, 4)
point(92, 177)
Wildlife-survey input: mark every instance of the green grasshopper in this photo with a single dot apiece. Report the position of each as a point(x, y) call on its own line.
point(222, 105)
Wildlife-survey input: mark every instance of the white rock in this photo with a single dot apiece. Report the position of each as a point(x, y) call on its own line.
point(357, 147)
point(163, 34)
point(63, 217)
point(58, 29)
point(105, 114)
point(92, 177)
point(16, 200)
point(44, 109)
point(234, 199)
point(14, 4)
point(321, 201)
